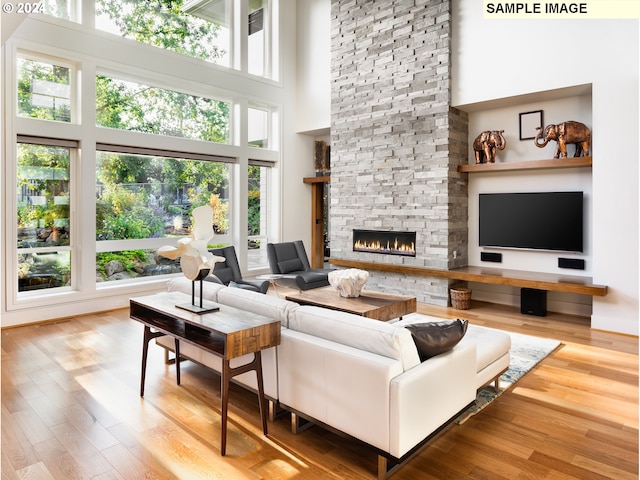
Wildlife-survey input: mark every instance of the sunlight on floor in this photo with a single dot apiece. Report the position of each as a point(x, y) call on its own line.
point(607, 412)
point(176, 451)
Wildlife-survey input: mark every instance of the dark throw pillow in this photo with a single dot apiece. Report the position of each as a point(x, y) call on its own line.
point(434, 338)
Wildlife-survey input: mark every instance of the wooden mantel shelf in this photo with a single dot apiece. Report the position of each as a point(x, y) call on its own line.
point(497, 276)
point(571, 162)
point(323, 179)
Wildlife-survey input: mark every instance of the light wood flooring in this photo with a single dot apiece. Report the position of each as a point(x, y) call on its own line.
point(71, 410)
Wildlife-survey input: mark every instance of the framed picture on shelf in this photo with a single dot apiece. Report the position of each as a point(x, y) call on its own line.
point(529, 122)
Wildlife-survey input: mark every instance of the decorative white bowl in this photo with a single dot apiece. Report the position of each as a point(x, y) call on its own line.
point(348, 282)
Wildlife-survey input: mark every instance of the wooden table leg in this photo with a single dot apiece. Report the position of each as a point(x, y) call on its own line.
point(177, 360)
point(148, 336)
point(261, 399)
point(224, 397)
point(145, 349)
point(227, 374)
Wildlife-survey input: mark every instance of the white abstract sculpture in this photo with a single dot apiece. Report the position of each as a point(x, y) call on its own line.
point(348, 282)
point(192, 251)
point(195, 260)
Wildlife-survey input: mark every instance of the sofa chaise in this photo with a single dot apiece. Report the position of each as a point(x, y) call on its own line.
point(359, 376)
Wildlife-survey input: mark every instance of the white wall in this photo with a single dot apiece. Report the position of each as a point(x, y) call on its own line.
point(537, 56)
point(297, 149)
point(311, 47)
point(314, 65)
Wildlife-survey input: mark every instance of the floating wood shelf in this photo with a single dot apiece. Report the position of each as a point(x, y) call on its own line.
point(571, 162)
point(497, 276)
point(323, 179)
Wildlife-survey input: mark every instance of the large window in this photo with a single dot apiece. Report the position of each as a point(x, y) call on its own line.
point(202, 29)
point(137, 107)
point(199, 28)
point(106, 160)
point(44, 229)
point(150, 198)
point(164, 23)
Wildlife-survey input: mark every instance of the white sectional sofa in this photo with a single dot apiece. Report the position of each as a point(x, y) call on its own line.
point(359, 376)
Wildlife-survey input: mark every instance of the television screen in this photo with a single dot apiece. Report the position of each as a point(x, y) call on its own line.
point(540, 221)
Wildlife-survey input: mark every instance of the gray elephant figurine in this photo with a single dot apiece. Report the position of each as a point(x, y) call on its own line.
point(563, 133)
point(487, 144)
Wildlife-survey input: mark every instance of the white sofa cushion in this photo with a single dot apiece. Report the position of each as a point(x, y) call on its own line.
point(209, 289)
point(359, 332)
point(267, 305)
point(492, 344)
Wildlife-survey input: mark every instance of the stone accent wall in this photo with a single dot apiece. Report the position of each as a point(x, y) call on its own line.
point(396, 142)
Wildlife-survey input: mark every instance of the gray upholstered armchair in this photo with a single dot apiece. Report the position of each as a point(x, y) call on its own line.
point(290, 260)
point(229, 271)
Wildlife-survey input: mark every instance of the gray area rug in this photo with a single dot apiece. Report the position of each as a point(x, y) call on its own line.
point(526, 352)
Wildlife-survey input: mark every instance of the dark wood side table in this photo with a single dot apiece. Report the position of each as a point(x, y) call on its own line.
point(228, 333)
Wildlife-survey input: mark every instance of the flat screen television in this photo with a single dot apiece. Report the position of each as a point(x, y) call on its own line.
point(538, 221)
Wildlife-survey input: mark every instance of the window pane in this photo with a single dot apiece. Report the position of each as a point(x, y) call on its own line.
point(257, 212)
point(43, 200)
point(43, 196)
point(257, 38)
point(258, 128)
point(140, 196)
point(44, 90)
point(40, 270)
point(133, 106)
point(166, 25)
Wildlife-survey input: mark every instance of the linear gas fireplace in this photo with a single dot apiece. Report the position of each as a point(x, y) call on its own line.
point(383, 241)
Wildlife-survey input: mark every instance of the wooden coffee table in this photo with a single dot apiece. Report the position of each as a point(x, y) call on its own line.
point(376, 305)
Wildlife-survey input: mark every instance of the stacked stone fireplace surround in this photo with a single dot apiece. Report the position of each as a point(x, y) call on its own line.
point(396, 142)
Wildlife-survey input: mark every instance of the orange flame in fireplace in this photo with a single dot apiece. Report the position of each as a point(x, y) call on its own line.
point(379, 247)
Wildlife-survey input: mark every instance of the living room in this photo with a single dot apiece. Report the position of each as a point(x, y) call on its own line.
point(589, 82)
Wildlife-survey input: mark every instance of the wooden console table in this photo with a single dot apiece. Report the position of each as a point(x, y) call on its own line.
point(228, 333)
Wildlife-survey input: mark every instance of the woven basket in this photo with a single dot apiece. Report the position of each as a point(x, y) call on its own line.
point(460, 298)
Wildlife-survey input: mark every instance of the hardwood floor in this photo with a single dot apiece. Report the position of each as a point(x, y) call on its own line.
point(71, 410)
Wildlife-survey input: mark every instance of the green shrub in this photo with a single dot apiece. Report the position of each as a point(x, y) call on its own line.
point(129, 258)
point(123, 214)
